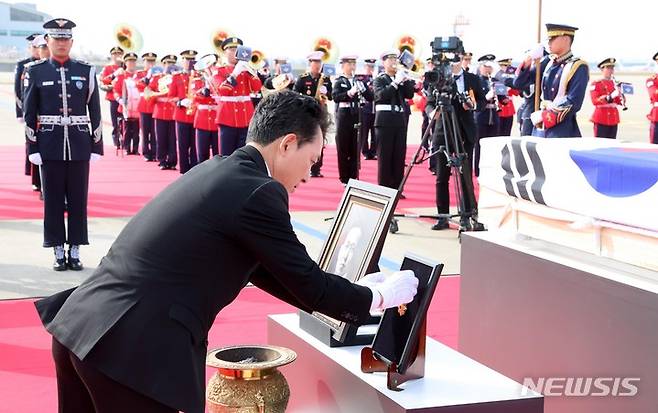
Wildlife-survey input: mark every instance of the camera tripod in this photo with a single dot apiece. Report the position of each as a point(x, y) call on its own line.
point(458, 161)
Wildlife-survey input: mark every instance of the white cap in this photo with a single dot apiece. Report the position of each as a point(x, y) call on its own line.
point(317, 55)
point(39, 41)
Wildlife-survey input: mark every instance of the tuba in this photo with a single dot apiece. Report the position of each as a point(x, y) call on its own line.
point(409, 43)
point(128, 38)
point(326, 46)
point(257, 60)
point(218, 37)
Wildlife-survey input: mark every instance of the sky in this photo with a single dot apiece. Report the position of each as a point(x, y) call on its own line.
point(366, 28)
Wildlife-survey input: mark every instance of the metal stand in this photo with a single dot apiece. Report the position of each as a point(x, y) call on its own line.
point(324, 333)
point(371, 363)
point(458, 160)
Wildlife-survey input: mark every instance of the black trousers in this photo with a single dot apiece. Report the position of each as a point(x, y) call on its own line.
point(505, 126)
point(65, 187)
point(28, 165)
point(368, 149)
point(131, 136)
point(165, 133)
point(347, 145)
point(605, 131)
point(147, 126)
point(205, 141)
point(186, 146)
point(231, 138)
point(391, 150)
point(653, 132)
point(484, 130)
point(115, 115)
point(525, 127)
point(443, 172)
point(83, 389)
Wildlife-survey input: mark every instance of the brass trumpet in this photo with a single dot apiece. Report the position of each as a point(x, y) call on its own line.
point(257, 60)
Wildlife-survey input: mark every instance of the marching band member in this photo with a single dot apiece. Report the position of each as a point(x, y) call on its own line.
point(563, 85)
point(163, 114)
point(236, 81)
point(367, 132)
point(278, 61)
point(605, 97)
point(307, 84)
point(204, 121)
point(125, 89)
point(107, 76)
point(486, 116)
point(391, 89)
point(652, 88)
point(506, 104)
point(348, 92)
point(180, 93)
point(145, 108)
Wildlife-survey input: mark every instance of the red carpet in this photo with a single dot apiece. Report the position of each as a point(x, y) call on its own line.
point(119, 187)
point(27, 382)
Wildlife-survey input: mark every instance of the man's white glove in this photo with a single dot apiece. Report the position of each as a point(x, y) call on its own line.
point(240, 67)
point(20, 120)
point(536, 117)
point(186, 102)
point(614, 94)
point(353, 90)
point(489, 95)
point(400, 76)
point(536, 52)
point(94, 157)
point(392, 290)
point(371, 280)
point(35, 158)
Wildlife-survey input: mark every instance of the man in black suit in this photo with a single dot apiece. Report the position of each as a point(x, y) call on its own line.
point(133, 337)
point(466, 85)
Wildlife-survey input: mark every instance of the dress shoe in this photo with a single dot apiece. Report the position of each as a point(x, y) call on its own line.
point(442, 223)
point(73, 261)
point(316, 175)
point(60, 261)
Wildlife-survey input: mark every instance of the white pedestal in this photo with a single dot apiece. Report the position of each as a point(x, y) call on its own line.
point(325, 379)
point(532, 309)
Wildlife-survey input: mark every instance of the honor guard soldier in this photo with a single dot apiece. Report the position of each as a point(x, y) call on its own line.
point(163, 114)
point(348, 93)
point(391, 89)
point(204, 120)
point(486, 116)
point(652, 88)
point(316, 84)
point(19, 74)
point(368, 140)
point(606, 97)
point(107, 76)
point(563, 84)
point(506, 103)
point(127, 94)
point(64, 132)
point(237, 80)
point(145, 108)
point(181, 92)
point(282, 83)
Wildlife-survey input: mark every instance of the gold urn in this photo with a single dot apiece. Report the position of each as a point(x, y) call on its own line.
point(248, 380)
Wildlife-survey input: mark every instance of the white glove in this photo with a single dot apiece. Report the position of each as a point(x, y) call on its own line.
point(360, 86)
point(353, 90)
point(323, 90)
point(35, 158)
point(117, 72)
point(536, 117)
point(240, 67)
point(371, 280)
point(20, 120)
point(400, 77)
point(489, 95)
point(536, 52)
point(394, 290)
point(186, 102)
point(94, 157)
point(614, 94)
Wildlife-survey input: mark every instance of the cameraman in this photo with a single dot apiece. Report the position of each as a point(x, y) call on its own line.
point(465, 95)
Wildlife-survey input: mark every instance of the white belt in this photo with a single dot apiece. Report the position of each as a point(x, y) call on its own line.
point(206, 107)
point(490, 106)
point(607, 105)
point(390, 108)
point(234, 98)
point(349, 105)
point(63, 120)
point(655, 104)
point(166, 100)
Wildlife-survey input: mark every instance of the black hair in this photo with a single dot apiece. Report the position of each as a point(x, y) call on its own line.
point(287, 112)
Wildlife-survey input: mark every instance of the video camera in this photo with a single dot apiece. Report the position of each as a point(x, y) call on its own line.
point(445, 52)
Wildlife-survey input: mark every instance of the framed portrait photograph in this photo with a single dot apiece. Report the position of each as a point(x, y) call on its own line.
point(356, 237)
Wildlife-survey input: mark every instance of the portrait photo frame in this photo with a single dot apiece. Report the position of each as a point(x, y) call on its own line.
point(356, 237)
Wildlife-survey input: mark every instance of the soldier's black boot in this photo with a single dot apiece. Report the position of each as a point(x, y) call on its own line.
point(74, 258)
point(60, 261)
